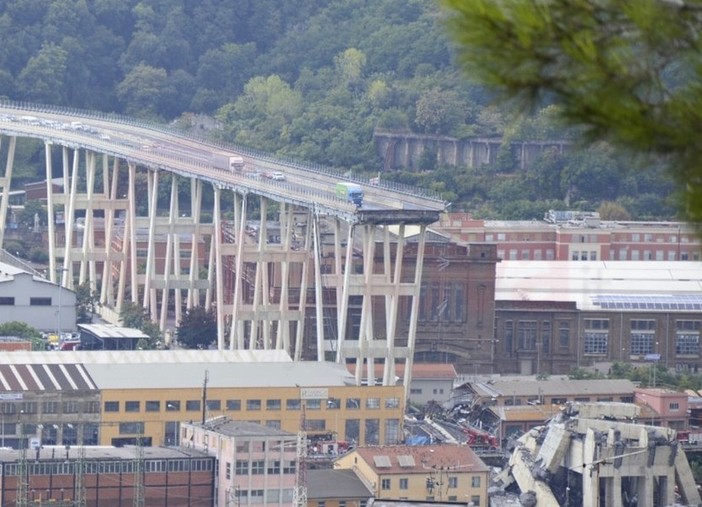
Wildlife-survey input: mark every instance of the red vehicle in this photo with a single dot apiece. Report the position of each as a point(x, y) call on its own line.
point(480, 438)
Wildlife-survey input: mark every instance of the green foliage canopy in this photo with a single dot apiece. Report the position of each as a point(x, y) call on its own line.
point(620, 70)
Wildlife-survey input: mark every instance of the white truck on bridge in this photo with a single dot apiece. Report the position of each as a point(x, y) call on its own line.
point(228, 162)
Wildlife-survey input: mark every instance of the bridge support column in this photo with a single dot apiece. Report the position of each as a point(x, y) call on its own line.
point(5, 186)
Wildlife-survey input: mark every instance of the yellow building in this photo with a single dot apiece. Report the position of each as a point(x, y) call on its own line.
point(150, 400)
point(443, 472)
point(145, 395)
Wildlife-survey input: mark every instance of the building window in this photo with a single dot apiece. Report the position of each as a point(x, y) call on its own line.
point(475, 500)
point(242, 467)
point(687, 337)
point(273, 423)
point(546, 336)
point(51, 407)
point(526, 334)
point(7, 301)
point(509, 336)
point(292, 404)
point(642, 336)
point(315, 424)
point(373, 403)
point(475, 481)
point(233, 404)
point(111, 406)
point(132, 406)
point(313, 404)
point(372, 430)
point(453, 482)
point(392, 431)
point(253, 405)
point(289, 467)
point(172, 406)
point(131, 428)
point(459, 302)
point(392, 403)
point(596, 336)
point(69, 407)
point(272, 404)
point(564, 334)
point(385, 484)
point(353, 403)
point(39, 301)
point(404, 483)
point(415, 390)
point(258, 467)
point(153, 406)
point(192, 405)
point(214, 405)
point(333, 403)
point(352, 429)
point(674, 406)
point(274, 467)
point(228, 470)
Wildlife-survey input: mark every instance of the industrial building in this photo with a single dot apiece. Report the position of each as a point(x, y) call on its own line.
point(35, 301)
point(129, 397)
point(106, 476)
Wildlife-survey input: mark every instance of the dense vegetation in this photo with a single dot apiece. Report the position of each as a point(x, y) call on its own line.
point(310, 79)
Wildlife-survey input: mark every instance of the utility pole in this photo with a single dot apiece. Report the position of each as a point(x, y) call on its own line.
point(79, 494)
point(139, 472)
point(300, 491)
point(204, 397)
point(22, 479)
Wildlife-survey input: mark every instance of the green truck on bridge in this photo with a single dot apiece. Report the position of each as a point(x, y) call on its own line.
point(350, 192)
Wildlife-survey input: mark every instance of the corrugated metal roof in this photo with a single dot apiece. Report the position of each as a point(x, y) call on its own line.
point(553, 387)
point(144, 356)
point(19, 378)
point(221, 375)
point(579, 281)
point(112, 331)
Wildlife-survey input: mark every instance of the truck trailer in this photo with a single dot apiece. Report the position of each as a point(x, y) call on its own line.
point(350, 192)
point(228, 162)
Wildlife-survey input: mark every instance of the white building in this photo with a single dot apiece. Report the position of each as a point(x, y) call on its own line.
point(257, 464)
point(36, 301)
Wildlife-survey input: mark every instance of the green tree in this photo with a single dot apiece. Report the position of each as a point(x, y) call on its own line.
point(609, 210)
point(25, 331)
point(626, 72)
point(135, 316)
point(197, 328)
point(45, 75)
point(31, 210)
point(86, 303)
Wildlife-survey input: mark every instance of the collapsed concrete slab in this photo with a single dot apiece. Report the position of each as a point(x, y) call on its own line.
point(594, 454)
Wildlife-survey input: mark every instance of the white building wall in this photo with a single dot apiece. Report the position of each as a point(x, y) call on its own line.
point(22, 298)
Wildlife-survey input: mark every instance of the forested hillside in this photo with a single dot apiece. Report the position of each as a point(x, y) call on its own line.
point(305, 78)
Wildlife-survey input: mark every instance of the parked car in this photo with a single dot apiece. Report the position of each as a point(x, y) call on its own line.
point(278, 176)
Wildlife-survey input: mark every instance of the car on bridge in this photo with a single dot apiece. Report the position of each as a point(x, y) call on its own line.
point(278, 176)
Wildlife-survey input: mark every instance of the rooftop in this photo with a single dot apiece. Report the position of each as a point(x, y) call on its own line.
point(411, 459)
point(603, 285)
point(329, 484)
point(242, 429)
point(496, 388)
point(97, 452)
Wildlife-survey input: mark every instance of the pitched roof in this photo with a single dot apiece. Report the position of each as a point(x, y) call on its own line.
point(420, 371)
point(417, 459)
point(330, 484)
point(495, 388)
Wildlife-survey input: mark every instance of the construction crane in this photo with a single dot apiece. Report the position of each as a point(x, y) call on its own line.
point(300, 491)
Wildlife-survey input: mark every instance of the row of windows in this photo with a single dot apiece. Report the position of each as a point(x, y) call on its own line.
point(253, 405)
point(50, 407)
point(259, 467)
point(624, 254)
point(10, 301)
point(597, 343)
point(403, 482)
point(111, 467)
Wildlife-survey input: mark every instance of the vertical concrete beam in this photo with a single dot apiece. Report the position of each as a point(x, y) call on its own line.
point(412, 333)
point(318, 289)
point(51, 220)
point(216, 267)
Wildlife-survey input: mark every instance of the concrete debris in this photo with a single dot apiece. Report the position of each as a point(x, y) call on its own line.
point(593, 454)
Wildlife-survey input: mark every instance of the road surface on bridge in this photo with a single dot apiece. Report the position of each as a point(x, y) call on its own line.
point(157, 148)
